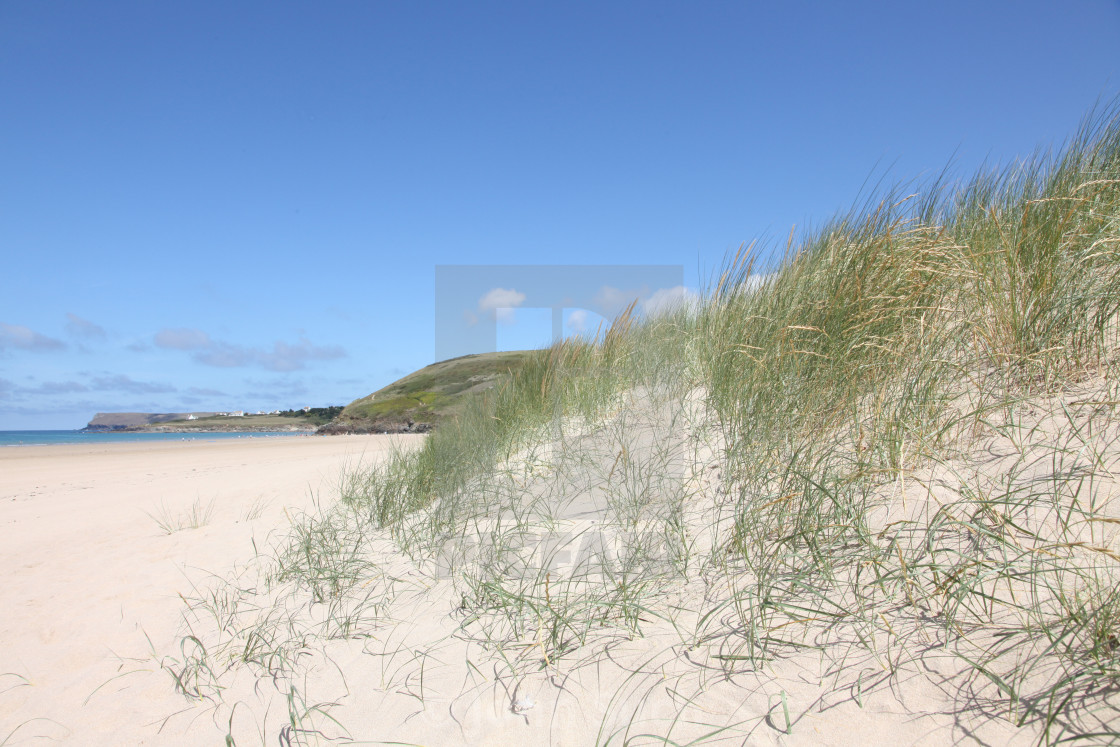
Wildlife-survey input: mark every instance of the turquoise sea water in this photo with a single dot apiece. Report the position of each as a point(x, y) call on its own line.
point(28, 438)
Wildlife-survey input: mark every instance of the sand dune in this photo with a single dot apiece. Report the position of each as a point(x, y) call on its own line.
point(480, 620)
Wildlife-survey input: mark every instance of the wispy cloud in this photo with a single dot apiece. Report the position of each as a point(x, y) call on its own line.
point(15, 336)
point(225, 355)
point(203, 392)
point(285, 357)
point(82, 407)
point(610, 302)
point(282, 357)
point(56, 387)
point(122, 383)
point(500, 303)
point(577, 321)
point(84, 329)
point(182, 338)
point(277, 388)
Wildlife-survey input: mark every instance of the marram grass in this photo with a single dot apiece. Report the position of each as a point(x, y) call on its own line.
point(900, 436)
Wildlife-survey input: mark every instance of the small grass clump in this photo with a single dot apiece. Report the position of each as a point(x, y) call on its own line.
point(197, 515)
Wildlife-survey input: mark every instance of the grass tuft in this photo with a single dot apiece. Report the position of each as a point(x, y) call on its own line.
point(196, 516)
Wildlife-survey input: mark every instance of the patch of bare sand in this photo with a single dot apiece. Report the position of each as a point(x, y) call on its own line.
point(92, 582)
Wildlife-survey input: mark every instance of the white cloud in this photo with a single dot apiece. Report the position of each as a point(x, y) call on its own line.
point(577, 321)
point(500, 302)
point(665, 300)
point(613, 301)
point(754, 282)
point(15, 336)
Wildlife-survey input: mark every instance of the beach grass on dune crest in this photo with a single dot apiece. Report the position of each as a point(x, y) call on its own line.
point(898, 443)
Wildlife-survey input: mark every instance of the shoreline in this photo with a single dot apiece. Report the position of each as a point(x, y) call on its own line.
point(97, 438)
point(205, 429)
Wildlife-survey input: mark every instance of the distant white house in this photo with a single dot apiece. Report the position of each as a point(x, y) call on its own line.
point(307, 409)
point(236, 414)
point(192, 416)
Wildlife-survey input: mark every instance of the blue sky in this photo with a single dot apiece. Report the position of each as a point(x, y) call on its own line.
point(241, 205)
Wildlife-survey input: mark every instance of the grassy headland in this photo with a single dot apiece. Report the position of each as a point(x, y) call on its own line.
point(146, 422)
point(428, 396)
point(881, 469)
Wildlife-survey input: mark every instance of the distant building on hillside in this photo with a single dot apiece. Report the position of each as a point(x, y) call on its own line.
point(236, 414)
point(192, 416)
point(307, 409)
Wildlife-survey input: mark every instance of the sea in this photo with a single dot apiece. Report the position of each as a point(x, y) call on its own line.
point(36, 438)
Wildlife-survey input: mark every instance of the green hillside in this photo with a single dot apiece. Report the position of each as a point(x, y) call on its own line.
point(423, 398)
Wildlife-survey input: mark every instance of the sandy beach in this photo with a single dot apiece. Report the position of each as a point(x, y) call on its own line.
point(155, 594)
point(92, 581)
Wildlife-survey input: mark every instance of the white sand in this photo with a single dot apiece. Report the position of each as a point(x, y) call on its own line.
point(92, 623)
point(89, 577)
